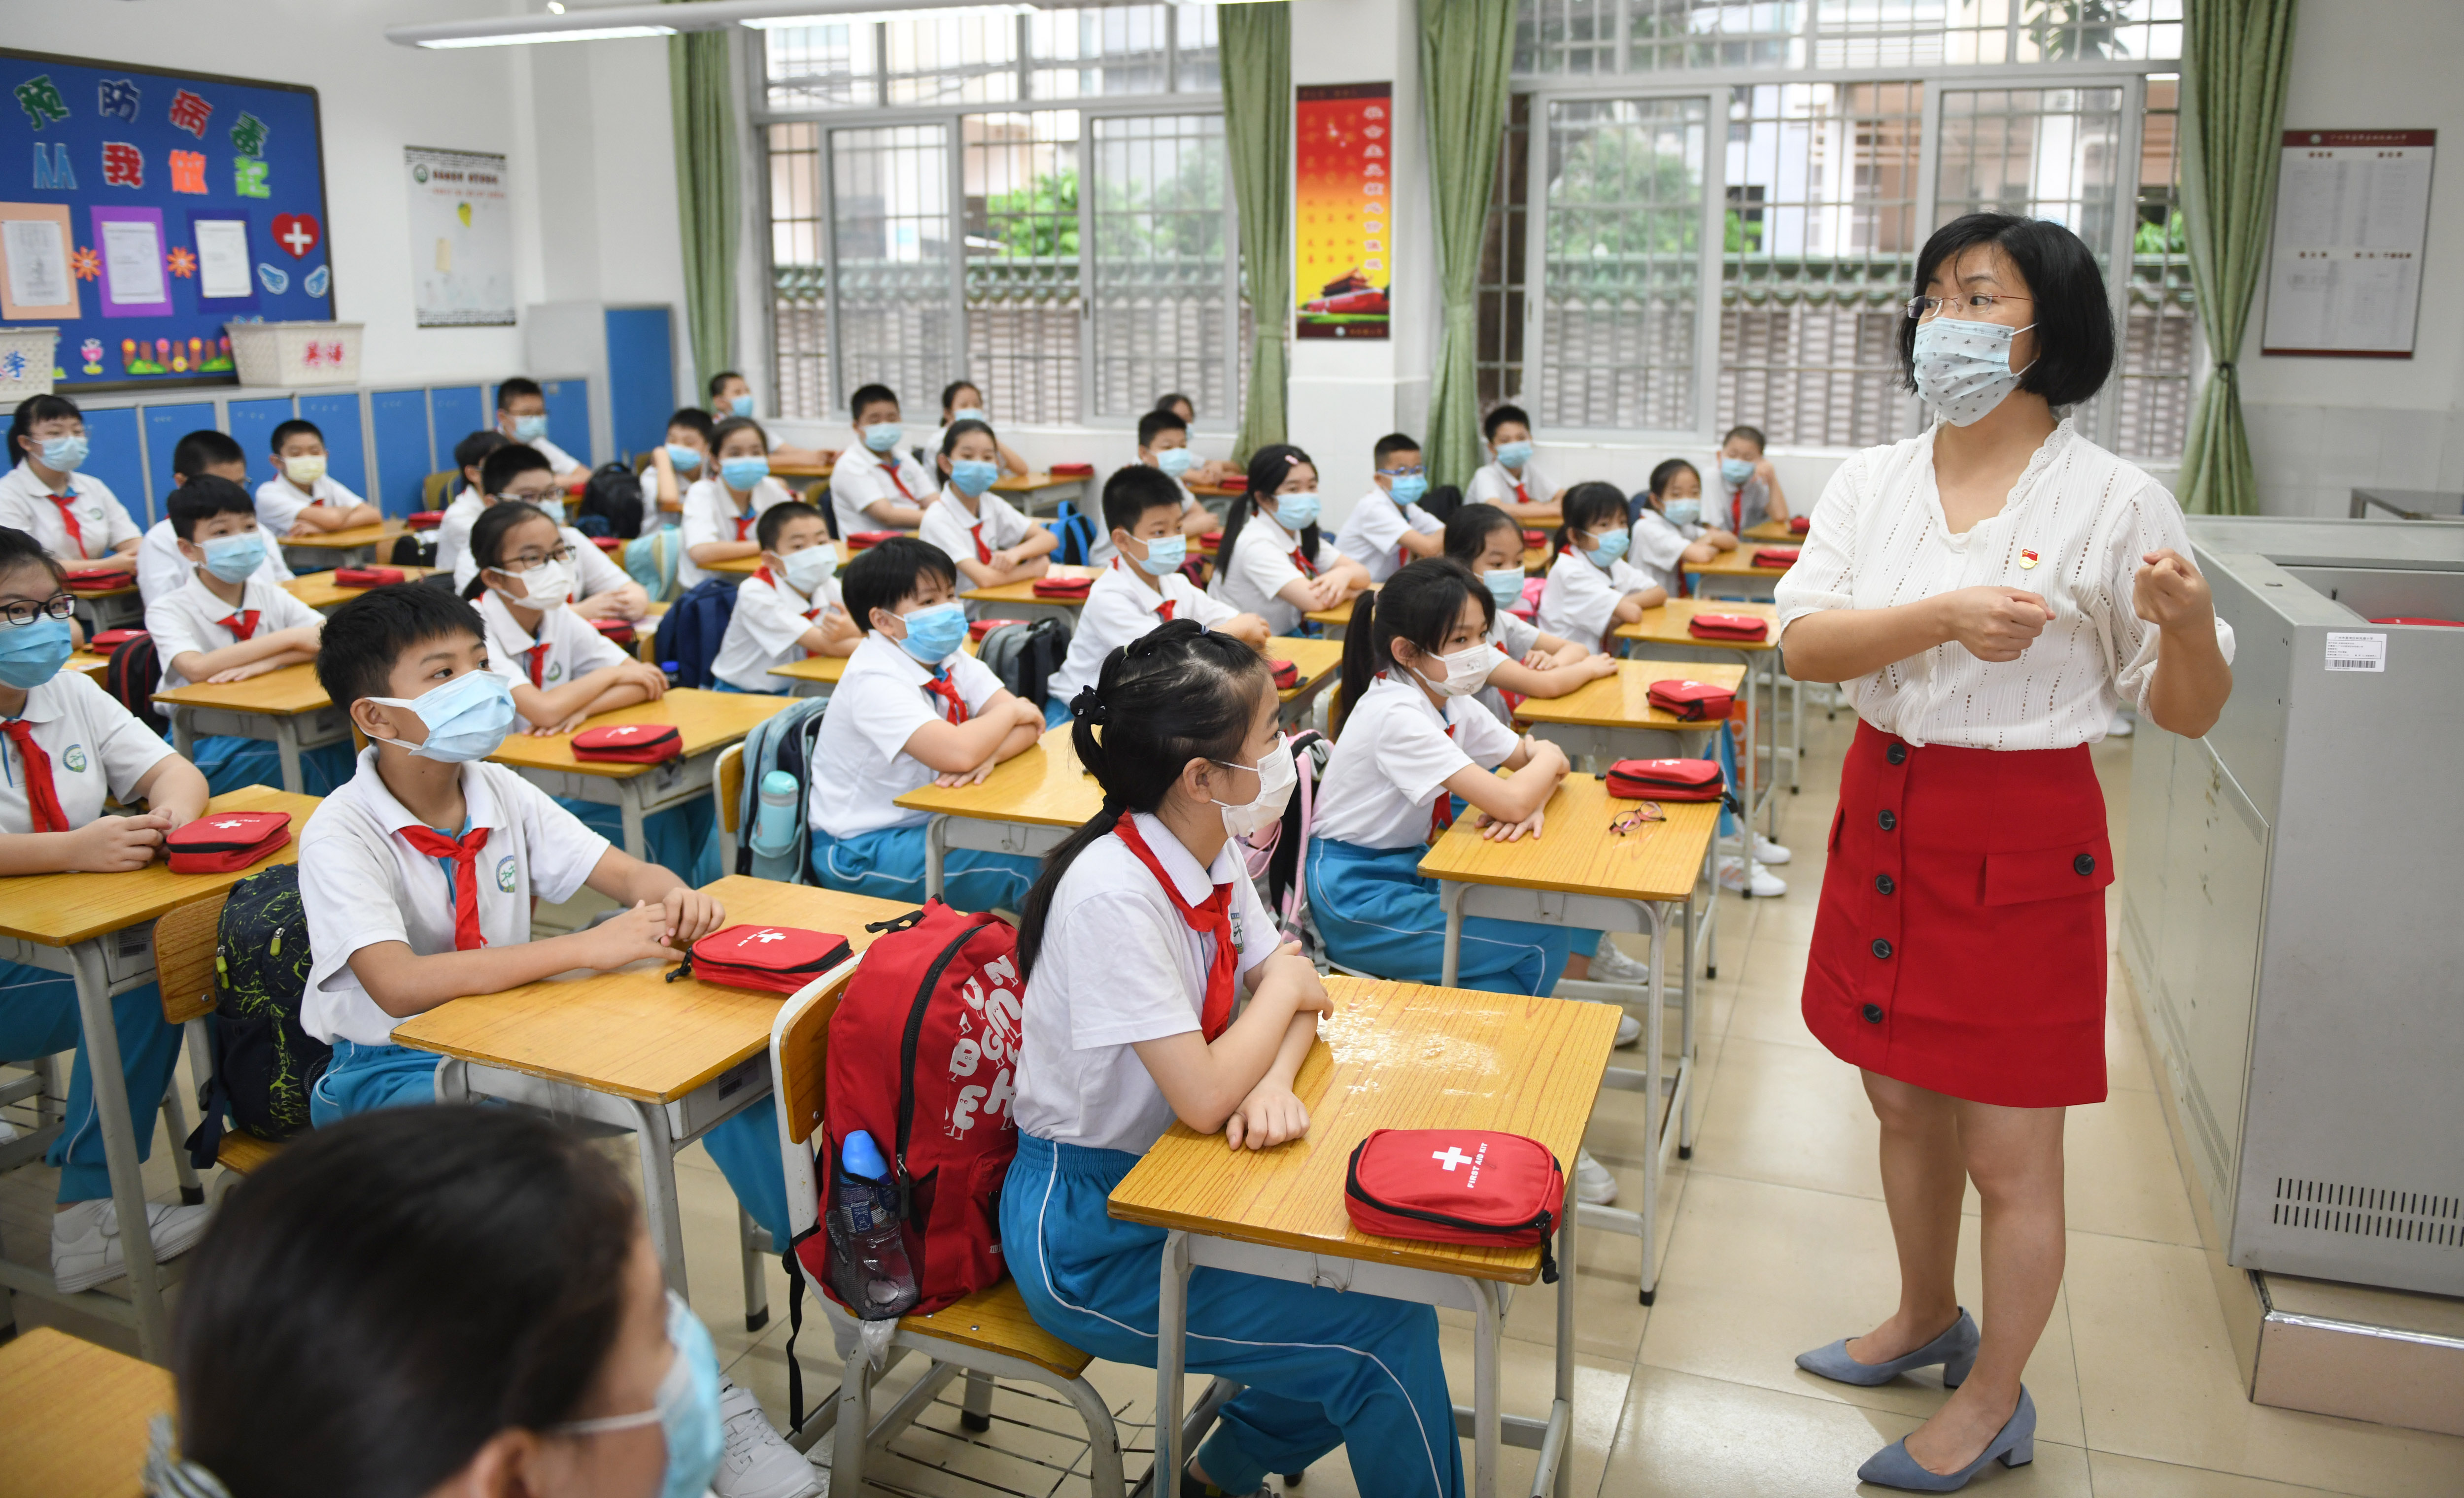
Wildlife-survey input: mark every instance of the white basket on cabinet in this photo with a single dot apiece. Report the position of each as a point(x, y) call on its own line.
point(291, 354)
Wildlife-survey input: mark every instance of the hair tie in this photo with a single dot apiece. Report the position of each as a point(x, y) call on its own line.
point(1088, 707)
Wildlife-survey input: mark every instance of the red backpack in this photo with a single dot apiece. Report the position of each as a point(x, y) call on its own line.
point(922, 1053)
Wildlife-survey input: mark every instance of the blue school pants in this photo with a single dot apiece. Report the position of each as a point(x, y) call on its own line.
point(362, 1078)
point(683, 840)
point(229, 763)
point(38, 1017)
point(1368, 1379)
point(1378, 915)
point(890, 864)
point(745, 1149)
point(1055, 712)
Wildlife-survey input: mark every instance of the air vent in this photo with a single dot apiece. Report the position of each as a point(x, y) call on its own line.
point(2331, 1206)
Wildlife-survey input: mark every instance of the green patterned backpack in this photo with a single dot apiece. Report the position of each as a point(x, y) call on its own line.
point(264, 1063)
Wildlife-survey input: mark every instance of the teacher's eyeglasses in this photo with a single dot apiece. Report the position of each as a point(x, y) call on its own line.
point(1923, 307)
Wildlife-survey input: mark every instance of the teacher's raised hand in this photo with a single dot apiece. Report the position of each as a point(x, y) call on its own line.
point(2168, 592)
point(1993, 623)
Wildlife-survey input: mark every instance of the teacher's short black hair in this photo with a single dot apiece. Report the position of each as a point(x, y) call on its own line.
point(881, 576)
point(2074, 319)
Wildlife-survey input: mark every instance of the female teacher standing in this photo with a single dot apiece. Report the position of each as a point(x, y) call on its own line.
point(1985, 593)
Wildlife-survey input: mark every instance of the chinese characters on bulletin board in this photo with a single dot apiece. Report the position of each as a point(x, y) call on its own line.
point(1344, 137)
point(2352, 219)
point(142, 209)
point(461, 238)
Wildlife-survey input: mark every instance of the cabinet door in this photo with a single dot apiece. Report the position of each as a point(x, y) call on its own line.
point(641, 377)
point(568, 418)
point(398, 419)
point(252, 426)
point(457, 410)
point(346, 448)
point(165, 427)
point(111, 435)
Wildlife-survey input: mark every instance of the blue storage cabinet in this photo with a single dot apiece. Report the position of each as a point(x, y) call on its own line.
point(568, 418)
point(641, 377)
point(165, 427)
point(252, 426)
point(398, 421)
point(454, 412)
point(346, 451)
point(112, 457)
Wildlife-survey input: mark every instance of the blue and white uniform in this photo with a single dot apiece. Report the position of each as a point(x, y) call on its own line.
point(103, 521)
point(1580, 600)
point(1119, 965)
point(191, 619)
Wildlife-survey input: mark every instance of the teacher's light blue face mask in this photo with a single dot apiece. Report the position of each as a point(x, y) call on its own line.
point(467, 717)
point(1682, 512)
point(1962, 367)
point(1296, 512)
point(32, 652)
point(933, 631)
point(235, 558)
point(972, 477)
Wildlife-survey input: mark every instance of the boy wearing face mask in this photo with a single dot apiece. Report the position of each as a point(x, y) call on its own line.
point(1750, 492)
point(676, 464)
point(912, 709)
point(982, 532)
point(301, 499)
point(521, 415)
point(789, 608)
point(876, 485)
point(1387, 527)
point(1164, 445)
point(453, 532)
point(73, 516)
point(1509, 480)
point(161, 569)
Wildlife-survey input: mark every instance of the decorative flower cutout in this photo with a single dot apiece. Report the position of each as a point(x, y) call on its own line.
point(184, 263)
point(86, 264)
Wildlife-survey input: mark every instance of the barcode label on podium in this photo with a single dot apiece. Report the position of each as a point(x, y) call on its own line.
point(2356, 652)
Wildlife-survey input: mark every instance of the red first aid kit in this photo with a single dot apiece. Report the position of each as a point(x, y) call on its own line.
point(1234, 483)
point(1666, 779)
point(608, 543)
point(1776, 557)
point(369, 576)
point(425, 520)
point(1728, 627)
point(88, 576)
point(222, 841)
point(1799, 524)
point(1536, 538)
point(860, 540)
point(1694, 702)
point(629, 743)
point(1457, 1186)
point(1287, 675)
point(110, 640)
point(1072, 470)
point(781, 959)
point(1063, 587)
point(1212, 540)
point(981, 627)
point(619, 631)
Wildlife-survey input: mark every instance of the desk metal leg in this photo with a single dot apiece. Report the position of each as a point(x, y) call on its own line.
point(628, 807)
point(936, 847)
point(183, 735)
point(1489, 1319)
point(1554, 1470)
point(1450, 961)
point(1685, 1036)
point(1172, 1350)
point(286, 745)
point(659, 1191)
point(1652, 1040)
point(110, 1091)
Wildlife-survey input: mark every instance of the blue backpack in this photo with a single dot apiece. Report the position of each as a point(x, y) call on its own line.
point(692, 630)
point(782, 742)
point(1078, 535)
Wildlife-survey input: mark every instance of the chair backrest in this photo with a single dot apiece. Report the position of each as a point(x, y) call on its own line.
point(184, 958)
point(800, 1046)
point(730, 785)
point(816, 493)
point(436, 489)
point(642, 460)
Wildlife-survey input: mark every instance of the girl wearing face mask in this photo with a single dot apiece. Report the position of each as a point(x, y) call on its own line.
point(984, 534)
point(1749, 493)
point(1140, 939)
point(961, 401)
point(1591, 587)
point(1488, 542)
point(1273, 561)
point(723, 504)
point(74, 515)
point(1986, 594)
point(1668, 527)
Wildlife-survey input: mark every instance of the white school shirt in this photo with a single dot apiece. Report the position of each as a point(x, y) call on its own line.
point(1580, 601)
point(1740, 507)
point(1102, 553)
point(709, 515)
point(1494, 485)
point(769, 621)
point(162, 571)
point(860, 477)
point(279, 501)
point(94, 745)
point(102, 521)
point(1120, 608)
point(1880, 539)
point(191, 619)
point(877, 706)
point(362, 885)
point(1261, 564)
point(1656, 547)
point(594, 571)
point(1120, 965)
point(1393, 759)
point(1373, 532)
point(1514, 637)
point(948, 525)
point(454, 535)
point(558, 461)
point(575, 647)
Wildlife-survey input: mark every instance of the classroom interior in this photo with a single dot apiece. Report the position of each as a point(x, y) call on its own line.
point(912, 190)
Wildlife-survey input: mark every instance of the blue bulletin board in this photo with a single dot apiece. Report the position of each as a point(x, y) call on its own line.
point(142, 209)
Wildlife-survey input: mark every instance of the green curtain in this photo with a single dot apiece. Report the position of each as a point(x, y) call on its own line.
point(1255, 46)
point(2235, 56)
point(1467, 50)
point(704, 109)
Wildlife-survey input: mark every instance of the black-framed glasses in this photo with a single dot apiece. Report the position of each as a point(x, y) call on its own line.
point(58, 606)
point(1923, 307)
point(529, 560)
point(1648, 812)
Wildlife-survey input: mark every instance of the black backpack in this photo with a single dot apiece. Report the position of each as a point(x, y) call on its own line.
point(614, 495)
point(1024, 655)
point(692, 630)
point(131, 678)
point(265, 1063)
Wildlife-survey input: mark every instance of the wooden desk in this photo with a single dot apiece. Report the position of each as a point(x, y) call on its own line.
point(318, 591)
point(668, 1061)
point(73, 1417)
point(1733, 568)
point(815, 675)
point(1663, 629)
point(801, 470)
point(1580, 874)
point(709, 720)
point(98, 667)
point(1771, 533)
point(99, 929)
point(1394, 1055)
point(1334, 621)
point(120, 608)
point(1029, 492)
point(286, 707)
point(1027, 805)
point(1018, 600)
point(349, 547)
point(1610, 717)
point(1319, 662)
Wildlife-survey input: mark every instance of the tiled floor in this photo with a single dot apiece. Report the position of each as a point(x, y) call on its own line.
point(1776, 1240)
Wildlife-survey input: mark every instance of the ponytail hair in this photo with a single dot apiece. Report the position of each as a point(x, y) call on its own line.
point(1267, 467)
point(488, 539)
point(1176, 693)
point(1420, 604)
point(1583, 507)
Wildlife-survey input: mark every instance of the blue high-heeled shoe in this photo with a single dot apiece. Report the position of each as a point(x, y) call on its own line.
point(2015, 1444)
point(1955, 1350)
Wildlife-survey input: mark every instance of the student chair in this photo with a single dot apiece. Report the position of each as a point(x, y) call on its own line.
point(727, 788)
point(184, 965)
point(986, 1336)
point(436, 489)
point(816, 493)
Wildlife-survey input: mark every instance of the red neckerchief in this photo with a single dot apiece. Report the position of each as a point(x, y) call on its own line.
point(1164, 609)
point(890, 468)
point(69, 520)
point(536, 660)
point(1441, 815)
point(763, 574)
point(465, 853)
point(1511, 700)
point(242, 624)
point(955, 706)
point(984, 553)
point(42, 796)
point(1213, 918)
point(743, 523)
point(1737, 511)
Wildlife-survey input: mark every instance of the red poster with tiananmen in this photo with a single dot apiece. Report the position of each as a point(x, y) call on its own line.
point(1344, 138)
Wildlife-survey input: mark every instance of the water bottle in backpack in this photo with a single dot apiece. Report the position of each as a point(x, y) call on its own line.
point(775, 825)
point(869, 1261)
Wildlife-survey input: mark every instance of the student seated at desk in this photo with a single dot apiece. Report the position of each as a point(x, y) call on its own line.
point(1750, 492)
point(1489, 544)
point(913, 710)
point(302, 499)
point(789, 608)
point(453, 531)
point(982, 532)
point(1207, 471)
point(1591, 588)
point(161, 569)
point(75, 517)
point(1387, 527)
point(68, 746)
point(676, 464)
point(722, 505)
point(228, 625)
point(1274, 562)
point(961, 401)
point(1164, 445)
point(876, 485)
point(1509, 480)
point(730, 394)
point(1138, 939)
point(518, 474)
point(521, 415)
point(1668, 529)
point(1144, 587)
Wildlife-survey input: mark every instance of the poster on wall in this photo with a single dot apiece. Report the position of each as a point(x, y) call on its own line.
point(1342, 135)
point(142, 209)
point(2352, 220)
point(461, 238)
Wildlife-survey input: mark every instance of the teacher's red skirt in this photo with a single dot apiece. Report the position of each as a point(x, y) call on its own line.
point(1960, 943)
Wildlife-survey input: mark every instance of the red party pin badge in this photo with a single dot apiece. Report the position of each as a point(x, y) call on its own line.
point(2028, 559)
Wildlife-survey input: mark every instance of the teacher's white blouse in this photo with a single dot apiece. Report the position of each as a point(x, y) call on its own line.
point(2073, 532)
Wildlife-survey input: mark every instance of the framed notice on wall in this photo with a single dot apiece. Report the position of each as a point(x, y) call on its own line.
point(2352, 220)
point(1344, 138)
point(461, 238)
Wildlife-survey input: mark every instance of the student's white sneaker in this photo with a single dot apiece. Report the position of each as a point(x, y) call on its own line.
point(1594, 1185)
point(7, 1132)
point(1629, 1030)
point(1768, 886)
point(759, 1463)
point(1611, 965)
point(85, 1241)
point(1767, 851)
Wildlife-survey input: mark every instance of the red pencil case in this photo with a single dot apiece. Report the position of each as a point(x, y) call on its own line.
point(1234, 483)
point(1666, 779)
point(1063, 587)
point(1287, 675)
point(1694, 702)
point(1799, 524)
point(1776, 556)
point(1536, 538)
point(861, 540)
point(110, 640)
point(222, 841)
point(619, 631)
point(1728, 627)
point(82, 578)
point(425, 520)
point(1457, 1186)
point(981, 627)
point(777, 959)
point(629, 743)
point(369, 576)
point(610, 544)
point(1072, 471)
point(1212, 540)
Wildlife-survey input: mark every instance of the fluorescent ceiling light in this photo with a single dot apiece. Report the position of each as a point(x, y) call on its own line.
point(597, 23)
point(770, 23)
point(528, 38)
